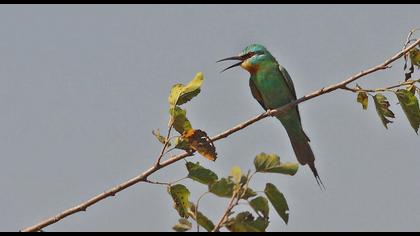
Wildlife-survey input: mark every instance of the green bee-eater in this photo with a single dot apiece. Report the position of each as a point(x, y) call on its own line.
point(272, 87)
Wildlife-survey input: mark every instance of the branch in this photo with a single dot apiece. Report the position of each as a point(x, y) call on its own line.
point(234, 200)
point(237, 195)
point(406, 83)
point(341, 85)
point(281, 110)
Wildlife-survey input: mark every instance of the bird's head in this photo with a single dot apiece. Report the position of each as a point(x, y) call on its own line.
point(252, 58)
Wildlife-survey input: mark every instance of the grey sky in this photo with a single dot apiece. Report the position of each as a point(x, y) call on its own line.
point(82, 87)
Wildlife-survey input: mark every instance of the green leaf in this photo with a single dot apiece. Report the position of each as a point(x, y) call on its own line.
point(191, 90)
point(222, 188)
point(225, 187)
point(176, 91)
point(182, 226)
point(382, 108)
point(180, 195)
point(244, 222)
point(412, 88)
point(201, 219)
point(271, 164)
point(415, 56)
point(181, 94)
point(278, 201)
point(179, 120)
point(236, 173)
point(249, 193)
point(260, 204)
point(179, 143)
point(363, 99)
point(410, 106)
point(200, 174)
point(159, 137)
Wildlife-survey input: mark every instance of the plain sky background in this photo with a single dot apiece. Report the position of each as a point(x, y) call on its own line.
point(82, 87)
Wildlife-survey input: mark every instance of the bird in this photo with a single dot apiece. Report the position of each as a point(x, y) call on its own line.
point(272, 86)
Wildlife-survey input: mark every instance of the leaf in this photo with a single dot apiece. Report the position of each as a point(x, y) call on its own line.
point(174, 94)
point(236, 173)
point(201, 219)
point(222, 188)
point(271, 164)
point(179, 143)
point(159, 137)
point(200, 174)
point(182, 226)
point(201, 142)
point(191, 90)
point(179, 120)
point(225, 187)
point(412, 88)
point(363, 99)
point(180, 195)
point(181, 94)
point(260, 204)
point(415, 57)
point(410, 106)
point(249, 193)
point(244, 222)
point(176, 142)
point(278, 201)
point(382, 108)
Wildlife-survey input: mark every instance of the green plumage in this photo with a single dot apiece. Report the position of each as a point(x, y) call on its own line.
point(272, 87)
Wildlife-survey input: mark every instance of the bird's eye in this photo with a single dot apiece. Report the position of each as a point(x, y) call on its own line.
point(259, 52)
point(247, 55)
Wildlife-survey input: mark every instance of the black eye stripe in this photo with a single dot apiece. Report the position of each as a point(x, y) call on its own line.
point(248, 55)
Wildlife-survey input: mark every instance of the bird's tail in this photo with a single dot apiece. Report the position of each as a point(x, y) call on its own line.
point(303, 151)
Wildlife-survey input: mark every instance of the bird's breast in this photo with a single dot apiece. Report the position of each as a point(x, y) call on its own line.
point(272, 88)
point(251, 68)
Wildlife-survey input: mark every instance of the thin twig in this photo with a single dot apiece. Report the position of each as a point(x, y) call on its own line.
point(178, 180)
point(143, 177)
point(408, 40)
point(234, 200)
point(155, 182)
point(237, 195)
point(196, 209)
point(406, 83)
point(162, 153)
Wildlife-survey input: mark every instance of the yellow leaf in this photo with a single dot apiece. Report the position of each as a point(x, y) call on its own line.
point(415, 56)
point(362, 98)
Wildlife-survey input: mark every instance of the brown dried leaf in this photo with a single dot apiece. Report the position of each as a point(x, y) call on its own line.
point(200, 142)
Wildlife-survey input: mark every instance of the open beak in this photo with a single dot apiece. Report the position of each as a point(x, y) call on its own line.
point(241, 59)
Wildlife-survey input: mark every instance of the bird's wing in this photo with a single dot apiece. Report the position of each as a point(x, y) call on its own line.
point(289, 83)
point(256, 94)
